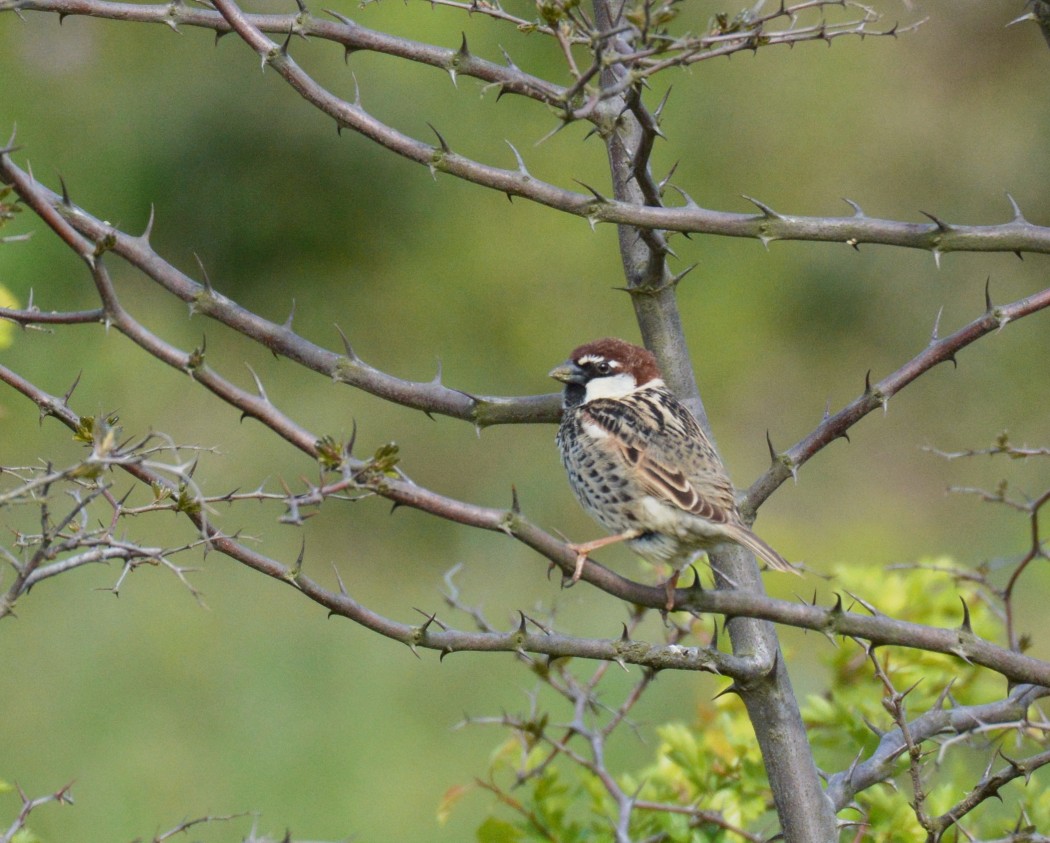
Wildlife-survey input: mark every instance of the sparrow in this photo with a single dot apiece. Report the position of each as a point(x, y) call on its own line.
point(640, 464)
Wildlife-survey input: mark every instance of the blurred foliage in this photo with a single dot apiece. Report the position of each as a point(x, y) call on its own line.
point(160, 709)
point(6, 328)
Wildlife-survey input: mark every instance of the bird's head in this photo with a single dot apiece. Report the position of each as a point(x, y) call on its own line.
point(606, 368)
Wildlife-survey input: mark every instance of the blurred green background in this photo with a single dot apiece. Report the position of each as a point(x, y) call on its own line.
point(159, 709)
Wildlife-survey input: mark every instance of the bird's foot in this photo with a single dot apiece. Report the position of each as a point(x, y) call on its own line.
point(582, 550)
point(669, 587)
point(581, 557)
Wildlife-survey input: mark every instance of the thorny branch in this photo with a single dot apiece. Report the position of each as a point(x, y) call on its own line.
point(938, 236)
point(657, 49)
point(82, 232)
point(585, 728)
point(73, 540)
point(652, 50)
point(876, 395)
point(434, 397)
point(361, 474)
point(1031, 507)
point(987, 788)
point(366, 475)
point(842, 787)
point(60, 797)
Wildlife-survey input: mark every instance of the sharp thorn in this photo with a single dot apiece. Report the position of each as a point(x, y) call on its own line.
point(857, 210)
point(349, 449)
point(767, 212)
point(659, 109)
point(339, 580)
point(73, 386)
point(351, 355)
point(258, 383)
point(431, 617)
point(287, 41)
point(444, 146)
point(902, 694)
point(941, 224)
point(697, 587)
point(943, 695)
point(596, 194)
point(508, 59)
point(341, 18)
point(663, 183)
point(874, 612)
point(144, 237)
point(297, 569)
point(10, 147)
point(675, 279)
point(837, 608)
point(732, 689)
point(773, 456)
point(1018, 216)
point(521, 163)
point(936, 326)
point(988, 306)
point(689, 201)
point(65, 192)
point(965, 625)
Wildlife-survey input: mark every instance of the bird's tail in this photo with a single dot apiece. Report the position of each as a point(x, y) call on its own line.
point(764, 552)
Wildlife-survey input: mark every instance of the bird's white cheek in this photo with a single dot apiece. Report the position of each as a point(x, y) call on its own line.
point(611, 386)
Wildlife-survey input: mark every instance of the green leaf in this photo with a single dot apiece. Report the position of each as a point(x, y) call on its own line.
point(498, 831)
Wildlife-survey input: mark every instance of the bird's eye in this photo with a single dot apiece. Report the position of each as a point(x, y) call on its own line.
point(602, 367)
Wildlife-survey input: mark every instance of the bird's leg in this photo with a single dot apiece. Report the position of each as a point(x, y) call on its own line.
point(669, 587)
point(582, 550)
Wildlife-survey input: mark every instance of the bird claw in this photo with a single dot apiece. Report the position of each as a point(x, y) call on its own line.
point(584, 548)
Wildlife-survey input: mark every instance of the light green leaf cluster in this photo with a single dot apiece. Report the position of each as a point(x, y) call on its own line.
point(840, 720)
point(707, 779)
point(714, 766)
point(855, 694)
point(6, 328)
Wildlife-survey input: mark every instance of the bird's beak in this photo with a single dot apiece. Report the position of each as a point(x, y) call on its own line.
point(567, 372)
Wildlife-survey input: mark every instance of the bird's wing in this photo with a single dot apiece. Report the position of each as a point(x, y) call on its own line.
point(671, 458)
